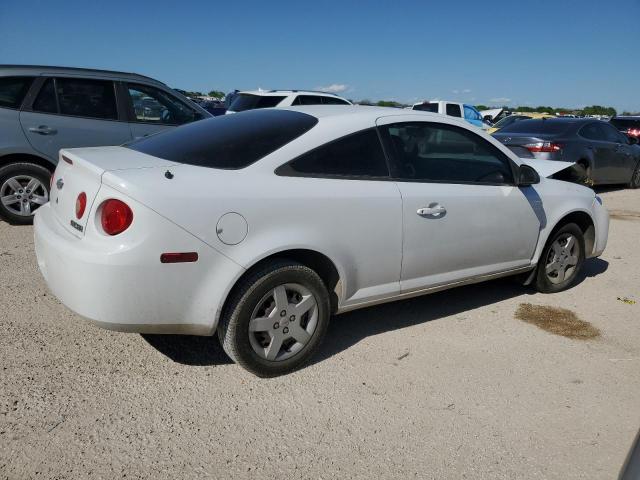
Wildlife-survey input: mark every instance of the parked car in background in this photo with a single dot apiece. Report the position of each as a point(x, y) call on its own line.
point(251, 100)
point(259, 225)
point(44, 109)
point(629, 125)
point(606, 155)
point(453, 109)
point(215, 108)
point(514, 118)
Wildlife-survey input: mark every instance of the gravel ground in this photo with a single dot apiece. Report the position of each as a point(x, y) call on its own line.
point(449, 385)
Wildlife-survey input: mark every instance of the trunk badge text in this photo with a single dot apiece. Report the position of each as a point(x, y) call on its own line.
point(77, 226)
point(60, 184)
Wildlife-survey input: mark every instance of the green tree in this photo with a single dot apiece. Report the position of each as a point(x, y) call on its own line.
point(482, 107)
point(216, 94)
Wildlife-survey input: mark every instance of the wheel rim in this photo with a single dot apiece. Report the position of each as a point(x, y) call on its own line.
point(23, 194)
point(283, 322)
point(562, 259)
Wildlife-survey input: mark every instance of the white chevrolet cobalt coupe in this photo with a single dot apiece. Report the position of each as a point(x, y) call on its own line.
point(261, 225)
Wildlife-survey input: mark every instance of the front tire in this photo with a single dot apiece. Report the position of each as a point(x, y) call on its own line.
point(24, 187)
point(275, 319)
point(561, 260)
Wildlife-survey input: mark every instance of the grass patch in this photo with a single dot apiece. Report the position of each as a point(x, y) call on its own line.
point(558, 321)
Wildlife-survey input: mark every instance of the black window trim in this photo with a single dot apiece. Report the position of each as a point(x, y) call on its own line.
point(39, 84)
point(131, 113)
point(285, 169)
point(391, 161)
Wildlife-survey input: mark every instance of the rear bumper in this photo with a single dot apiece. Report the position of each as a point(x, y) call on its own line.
point(120, 284)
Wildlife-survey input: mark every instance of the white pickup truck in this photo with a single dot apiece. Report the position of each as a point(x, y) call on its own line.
point(453, 109)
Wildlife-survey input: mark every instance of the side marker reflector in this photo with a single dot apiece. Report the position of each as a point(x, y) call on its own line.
point(179, 257)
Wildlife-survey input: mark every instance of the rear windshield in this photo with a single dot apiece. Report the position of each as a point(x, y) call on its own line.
point(13, 90)
point(625, 123)
point(549, 127)
point(227, 141)
point(246, 101)
point(427, 107)
point(509, 120)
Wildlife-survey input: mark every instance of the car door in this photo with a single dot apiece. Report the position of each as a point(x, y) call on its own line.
point(71, 112)
point(623, 161)
point(463, 216)
point(344, 186)
point(152, 110)
point(603, 150)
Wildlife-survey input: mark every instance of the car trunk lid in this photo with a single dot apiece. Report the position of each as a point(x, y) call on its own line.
point(80, 170)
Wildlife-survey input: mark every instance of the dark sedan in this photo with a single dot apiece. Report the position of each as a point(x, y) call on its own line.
point(607, 156)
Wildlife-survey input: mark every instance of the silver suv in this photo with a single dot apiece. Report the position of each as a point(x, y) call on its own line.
point(44, 109)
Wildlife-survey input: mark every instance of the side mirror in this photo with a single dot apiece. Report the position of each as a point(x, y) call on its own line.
point(527, 176)
point(488, 118)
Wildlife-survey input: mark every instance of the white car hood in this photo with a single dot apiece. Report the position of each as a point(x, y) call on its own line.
point(546, 168)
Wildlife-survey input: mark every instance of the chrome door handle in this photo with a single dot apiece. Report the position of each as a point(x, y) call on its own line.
point(43, 130)
point(433, 210)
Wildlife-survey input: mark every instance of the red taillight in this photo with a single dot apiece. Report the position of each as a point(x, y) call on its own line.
point(633, 132)
point(546, 147)
point(179, 257)
point(81, 204)
point(116, 216)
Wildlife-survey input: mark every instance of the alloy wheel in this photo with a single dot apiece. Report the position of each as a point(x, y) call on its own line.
point(283, 322)
point(23, 194)
point(562, 259)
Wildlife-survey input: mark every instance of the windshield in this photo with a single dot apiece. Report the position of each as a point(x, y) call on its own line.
point(247, 101)
point(227, 141)
point(427, 107)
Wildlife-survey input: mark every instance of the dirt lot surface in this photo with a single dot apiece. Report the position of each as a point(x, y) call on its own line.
point(451, 385)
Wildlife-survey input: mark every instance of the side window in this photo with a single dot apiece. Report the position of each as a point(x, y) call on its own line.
point(307, 100)
point(434, 152)
point(46, 100)
point(454, 110)
point(334, 101)
point(593, 131)
point(611, 134)
point(87, 98)
point(13, 90)
point(356, 155)
point(151, 105)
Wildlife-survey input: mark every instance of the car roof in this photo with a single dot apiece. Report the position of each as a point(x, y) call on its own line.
point(55, 70)
point(287, 92)
point(360, 111)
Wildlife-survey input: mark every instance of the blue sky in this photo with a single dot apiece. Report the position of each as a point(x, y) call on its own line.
point(559, 53)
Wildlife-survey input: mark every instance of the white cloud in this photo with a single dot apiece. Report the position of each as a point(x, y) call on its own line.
point(334, 88)
point(455, 91)
point(500, 100)
point(466, 90)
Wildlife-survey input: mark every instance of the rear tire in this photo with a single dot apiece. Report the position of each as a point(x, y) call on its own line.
point(24, 187)
point(635, 178)
point(561, 260)
point(275, 319)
